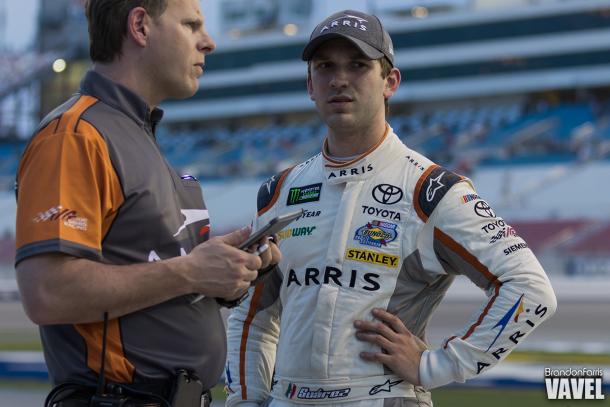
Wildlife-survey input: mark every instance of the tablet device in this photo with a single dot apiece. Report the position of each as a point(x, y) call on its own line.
point(275, 225)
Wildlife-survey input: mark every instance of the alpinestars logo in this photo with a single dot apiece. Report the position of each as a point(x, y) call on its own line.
point(387, 387)
point(434, 185)
point(268, 183)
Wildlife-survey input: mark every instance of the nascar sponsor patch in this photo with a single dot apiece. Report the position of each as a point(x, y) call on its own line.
point(304, 194)
point(502, 234)
point(376, 233)
point(469, 198)
point(296, 232)
point(372, 257)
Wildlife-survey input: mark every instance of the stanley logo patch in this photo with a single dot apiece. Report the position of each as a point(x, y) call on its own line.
point(369, 256)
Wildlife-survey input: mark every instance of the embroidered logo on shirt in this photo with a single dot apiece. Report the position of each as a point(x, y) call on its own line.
point(469, 198)
point(503, 322)
point(434, 185)
point(369, 256)
point(296, 232)
point(68, 217)
point(304, 194)
point(387, 194)
point(387, 387)
point(376, 233)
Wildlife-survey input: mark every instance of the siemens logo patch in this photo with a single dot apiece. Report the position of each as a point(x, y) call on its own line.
point(514, 248)
point(304, 194)
point(369, 256)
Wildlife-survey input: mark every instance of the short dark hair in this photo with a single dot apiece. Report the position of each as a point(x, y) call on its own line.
point(107, 21)
point(386, 68)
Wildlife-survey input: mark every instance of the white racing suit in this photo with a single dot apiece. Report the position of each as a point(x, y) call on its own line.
point(389, 229)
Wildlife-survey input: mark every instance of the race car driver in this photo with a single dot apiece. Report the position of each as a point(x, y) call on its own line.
point(341, 320)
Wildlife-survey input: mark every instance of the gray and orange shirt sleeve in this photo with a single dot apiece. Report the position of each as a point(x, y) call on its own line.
point(67, 190)
point(463, 235)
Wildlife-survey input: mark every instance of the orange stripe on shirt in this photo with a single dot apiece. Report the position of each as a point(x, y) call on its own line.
point(68, 172)
point(258, 292)
point(117, 368)
point(112, 194)
point(70, 118)
point(465, 255)
point(477, 265)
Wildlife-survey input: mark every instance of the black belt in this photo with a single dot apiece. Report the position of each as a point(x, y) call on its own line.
point(82, 397)
point(85, 403)
point(135, 403)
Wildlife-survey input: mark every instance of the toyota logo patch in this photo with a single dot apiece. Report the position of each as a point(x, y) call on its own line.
point(483, 209)
point(387, 194)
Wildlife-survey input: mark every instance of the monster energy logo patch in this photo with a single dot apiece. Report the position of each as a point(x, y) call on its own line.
point(307, 193)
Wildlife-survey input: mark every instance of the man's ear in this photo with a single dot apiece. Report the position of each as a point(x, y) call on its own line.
point(138, 22)
point(310, 86)
point(391, 83)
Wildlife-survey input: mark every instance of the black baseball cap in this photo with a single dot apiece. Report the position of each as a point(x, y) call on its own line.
point(361, 29)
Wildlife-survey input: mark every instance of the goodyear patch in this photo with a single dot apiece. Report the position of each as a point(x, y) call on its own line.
point(376, 233)
point(307, 193)
point(369, 256)
point(296, 232)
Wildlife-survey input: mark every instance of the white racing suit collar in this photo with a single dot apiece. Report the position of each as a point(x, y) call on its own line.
point(365, 165)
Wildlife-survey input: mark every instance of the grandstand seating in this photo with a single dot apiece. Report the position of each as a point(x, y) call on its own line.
point(452, 136)
point(18, 70)
point(543, 235)
point(458, 137)
point(596, 242)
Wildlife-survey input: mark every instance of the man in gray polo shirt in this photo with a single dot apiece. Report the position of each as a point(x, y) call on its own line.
point(104, 224)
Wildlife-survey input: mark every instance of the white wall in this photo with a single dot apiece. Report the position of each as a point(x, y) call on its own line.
point(516, 193)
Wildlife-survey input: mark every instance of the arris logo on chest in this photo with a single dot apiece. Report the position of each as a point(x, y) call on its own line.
point(313, 276)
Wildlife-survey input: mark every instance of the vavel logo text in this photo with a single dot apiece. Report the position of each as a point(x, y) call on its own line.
point(574, 384)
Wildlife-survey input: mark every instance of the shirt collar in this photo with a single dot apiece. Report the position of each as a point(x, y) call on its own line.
point(121, 98)
point(365, 165)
